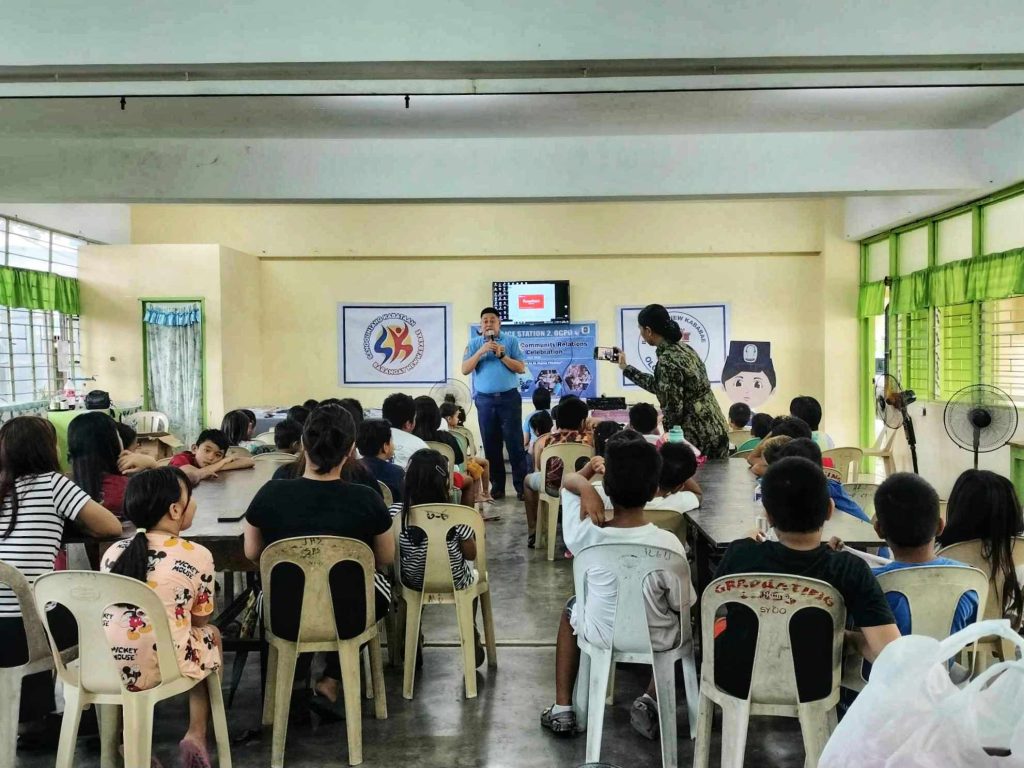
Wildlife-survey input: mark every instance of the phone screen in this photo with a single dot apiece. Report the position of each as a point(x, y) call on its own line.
point(606, 353)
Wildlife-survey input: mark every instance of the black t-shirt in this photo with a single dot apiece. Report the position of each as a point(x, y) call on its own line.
point(811, 630)
point(301, 507)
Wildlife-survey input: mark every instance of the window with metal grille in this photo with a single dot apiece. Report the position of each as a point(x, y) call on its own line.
point(1002, 350)
point(957, 362)
point(39, 349)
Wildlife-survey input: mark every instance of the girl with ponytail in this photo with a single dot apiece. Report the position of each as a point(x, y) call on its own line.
point(321, 502)
point(159, 502)
point(680, 382)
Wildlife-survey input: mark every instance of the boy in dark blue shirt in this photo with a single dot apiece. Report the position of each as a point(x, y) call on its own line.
point(373, 441)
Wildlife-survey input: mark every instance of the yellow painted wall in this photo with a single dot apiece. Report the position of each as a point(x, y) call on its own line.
point(781, 265)
point(243, 342)
point(113, 278)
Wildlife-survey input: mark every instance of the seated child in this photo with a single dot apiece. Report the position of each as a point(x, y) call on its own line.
point(479, 468)
point(631, 468)
point(541, 403)
point(571, 418)
point(373, 441)
point(796, 503)
point(299, 413)
point(760, 426)
point(426, 482)
point(207, 458)
point(788, 426)
point(238, 427)
point(159, 502)
point(678, 490)
point(129, 437)
point(739, 416)
point(603, 433)
point(808, 449)
point(288, 436)
point(643, 418)
point(907, 517)
point(808, 409)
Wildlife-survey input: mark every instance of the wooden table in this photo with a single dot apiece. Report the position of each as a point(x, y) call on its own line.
point(728, 512)
point(227, 496)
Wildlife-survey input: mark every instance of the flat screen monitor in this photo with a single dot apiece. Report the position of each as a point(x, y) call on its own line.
point(532, 301)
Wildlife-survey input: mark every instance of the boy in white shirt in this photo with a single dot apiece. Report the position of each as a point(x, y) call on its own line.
point(400, 411)
point(678, 489)
point(631, 469)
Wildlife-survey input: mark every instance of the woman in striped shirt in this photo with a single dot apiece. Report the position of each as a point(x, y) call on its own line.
point(37, 500)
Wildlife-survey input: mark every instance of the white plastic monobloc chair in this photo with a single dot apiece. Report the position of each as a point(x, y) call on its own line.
point(775, 599)
point(317, 631)
point(149, 421)
point(547, 510)
point(39, 660)
point(864, 495)
point(439, 587)
point(266, 437)
point(94, 677)
point(630, 564)
point(933, 593)
point(846, 460)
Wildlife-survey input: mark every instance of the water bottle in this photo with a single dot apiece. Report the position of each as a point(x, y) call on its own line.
point(675, 435)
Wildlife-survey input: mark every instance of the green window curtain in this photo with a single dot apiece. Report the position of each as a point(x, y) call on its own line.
point(996, 276)
point(28, 289)
point(872, 299)
point(948, 284)
point(911, 293)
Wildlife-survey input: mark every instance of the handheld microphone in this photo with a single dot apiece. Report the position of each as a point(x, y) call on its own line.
point(491, 335)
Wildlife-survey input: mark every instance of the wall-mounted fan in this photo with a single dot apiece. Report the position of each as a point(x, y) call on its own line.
point(891, 402)
point(980, 418)
point(452, 391)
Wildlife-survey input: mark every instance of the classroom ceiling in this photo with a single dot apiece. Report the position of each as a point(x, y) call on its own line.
point(528, 115)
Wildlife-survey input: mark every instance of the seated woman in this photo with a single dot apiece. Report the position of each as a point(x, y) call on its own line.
point(99, 464)
point(984, 505)
point(321, 503)
point(428, 421)
point(36, 501)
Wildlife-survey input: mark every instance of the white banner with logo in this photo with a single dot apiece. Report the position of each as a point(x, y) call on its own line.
point(384, 345)
point(705, 328)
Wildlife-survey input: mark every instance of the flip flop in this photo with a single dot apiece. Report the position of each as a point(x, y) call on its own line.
point(323, 708)
point(191, 755)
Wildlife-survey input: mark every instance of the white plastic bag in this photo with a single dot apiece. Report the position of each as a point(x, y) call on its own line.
point(911, 715)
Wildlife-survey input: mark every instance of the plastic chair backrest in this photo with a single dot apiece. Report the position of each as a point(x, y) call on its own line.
point(739, 436)
point(972, 553)
point(445, 450)
point(237, 450)
point(864, 495)
point(88, 595)
point(775, 599)
point(35, 635)
point(569, 453)
point(279, 456)
point(933, 592)
point(266, 437)
point(668, 520)
point(742, 454)
point(834, 473)
point(884, 441)
point(316, 556)
point(389, 497)
point(149, 421)
point(436, 520)
point(468, 439)
point(630, 564)
point(843, 458)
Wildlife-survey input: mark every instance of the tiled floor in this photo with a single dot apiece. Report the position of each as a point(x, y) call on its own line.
point(440, 727)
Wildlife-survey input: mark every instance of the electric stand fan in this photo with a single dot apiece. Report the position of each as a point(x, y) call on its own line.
point(980, 418)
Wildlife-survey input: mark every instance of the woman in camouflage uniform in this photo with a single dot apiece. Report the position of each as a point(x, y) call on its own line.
point(681, 383)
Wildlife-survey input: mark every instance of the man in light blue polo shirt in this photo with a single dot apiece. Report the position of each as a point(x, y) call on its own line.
point(495, 361)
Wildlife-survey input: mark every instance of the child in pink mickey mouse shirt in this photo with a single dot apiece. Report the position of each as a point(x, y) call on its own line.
point(159, 502)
